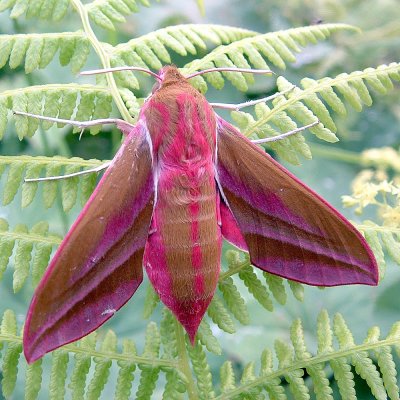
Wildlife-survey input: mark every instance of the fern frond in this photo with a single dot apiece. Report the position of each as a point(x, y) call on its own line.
point(307, 105)
point(151, 301)
point(53, 101)
point(32, 251)
point(107, 13)
point(149, 375)
point(48, 9)
point(102, 367)
point(295, 357)
point(17, 168)
point(39, 49)
point(153, 50)
point(201, 370)
point(276, 47)
point(239, 265)
point(58, 375)
point(100, 352)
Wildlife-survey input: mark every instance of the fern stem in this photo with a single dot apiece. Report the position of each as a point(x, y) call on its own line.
point(336, 154)
point(300, 364)
point(47, 160)
point(31, 237)
point(104, 58)
point(153, 362)
point(233, 270)
point(184, 365)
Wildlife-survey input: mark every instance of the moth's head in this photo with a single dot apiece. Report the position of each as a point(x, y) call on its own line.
point(168, 75)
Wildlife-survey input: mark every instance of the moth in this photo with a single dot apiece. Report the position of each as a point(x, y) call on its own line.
point(183, 180)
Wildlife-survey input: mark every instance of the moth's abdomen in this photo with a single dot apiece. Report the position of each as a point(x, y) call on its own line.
point(182, 256)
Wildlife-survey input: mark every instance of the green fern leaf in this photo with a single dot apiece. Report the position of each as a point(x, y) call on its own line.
point(8, 323)
point(204, 334)
point(304, 106)
point(102, 368)
point(22, 259)
point(174, 388)
point(6, 246)
point(386, 364)
point(227, 377)
point(220, 316)
point(126, 372)
point(152, 50)
point(168, 337)
point(58, 375)
point(69, 188)
point(81, 367)
point(275, 285)
point(150, 302)
point(255, 287)
point(33, 54)
point(108, 13)
point(256, 48)
point(10, 368)
point(39, 49)
point(38, 239)
point(149, 375)
point(201, 369)
point(33, 380)
point(321, 383)
point(234, 301)
point(362, 363)
point(45, 9)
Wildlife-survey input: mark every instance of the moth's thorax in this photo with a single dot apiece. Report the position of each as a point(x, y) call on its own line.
point(181, 123)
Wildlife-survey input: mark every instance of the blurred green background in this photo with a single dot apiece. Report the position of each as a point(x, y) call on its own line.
point(377, 126)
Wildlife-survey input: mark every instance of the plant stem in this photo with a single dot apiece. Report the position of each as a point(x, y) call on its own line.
point(71, 348)
point(104, 58)
point(336, 154)
point(184, 365)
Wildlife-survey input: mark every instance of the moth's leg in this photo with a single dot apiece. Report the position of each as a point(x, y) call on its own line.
point(81, 124)
point(55, 178)
point(286, 134)
point(230, 69)
point(237, 107)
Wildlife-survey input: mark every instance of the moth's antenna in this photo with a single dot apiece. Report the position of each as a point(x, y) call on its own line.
point(117, 69)
point(79, 124)
point(230, 69)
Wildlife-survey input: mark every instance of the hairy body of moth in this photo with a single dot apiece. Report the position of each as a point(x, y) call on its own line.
point(183, 179)
point(183, 251)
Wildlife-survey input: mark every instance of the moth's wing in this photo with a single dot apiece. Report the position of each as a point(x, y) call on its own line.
point(229, 227)
point(290, 231)
point(98, 266)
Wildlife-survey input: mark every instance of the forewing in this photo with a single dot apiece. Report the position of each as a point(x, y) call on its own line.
point(98, 266)
point(290, 231)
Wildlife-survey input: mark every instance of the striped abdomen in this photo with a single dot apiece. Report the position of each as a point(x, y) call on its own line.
point(182, 256)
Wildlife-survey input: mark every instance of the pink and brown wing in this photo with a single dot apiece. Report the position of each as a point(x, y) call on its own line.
point(289, 230)
point(98, 266)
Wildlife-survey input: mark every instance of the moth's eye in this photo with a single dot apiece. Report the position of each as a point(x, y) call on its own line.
point(156, 86)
